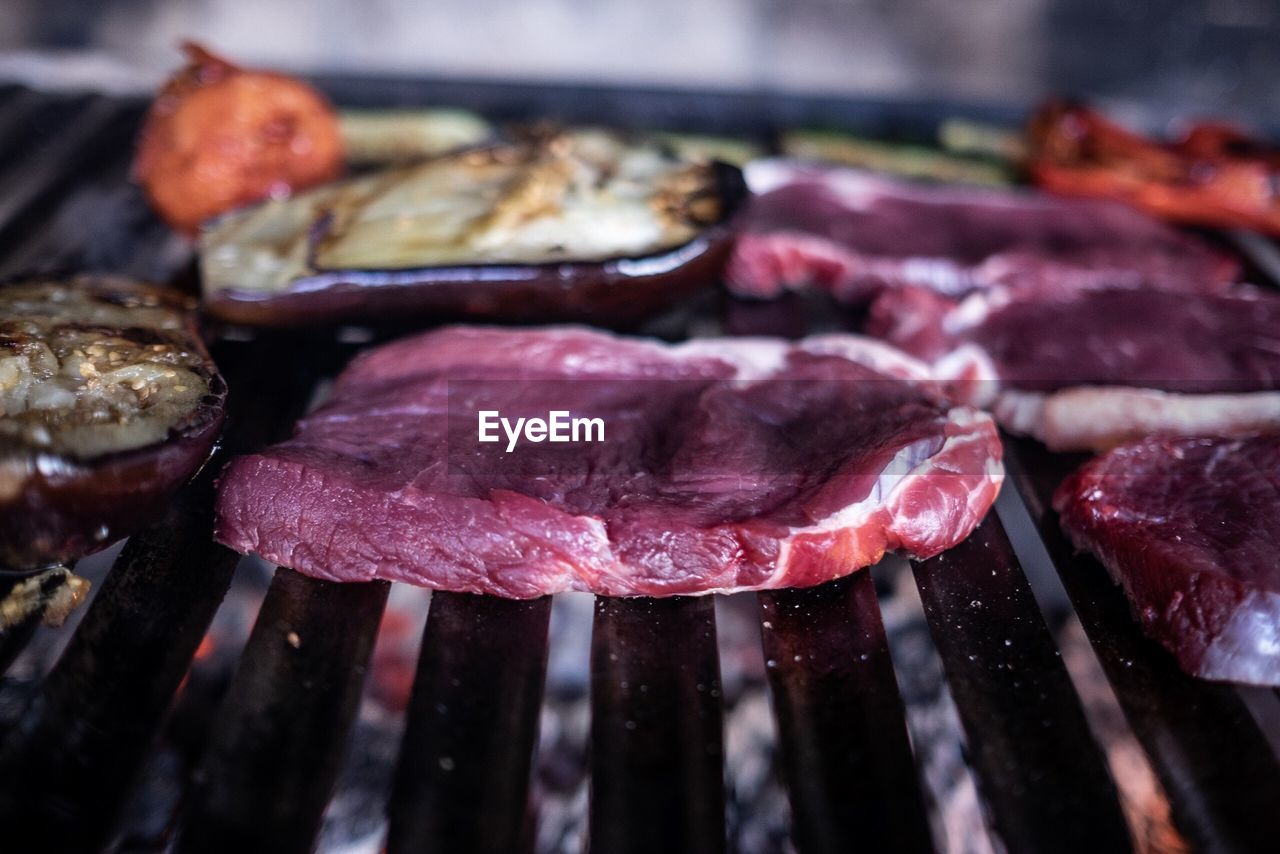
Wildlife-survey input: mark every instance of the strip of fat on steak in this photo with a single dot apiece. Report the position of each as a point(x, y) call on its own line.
point(852, 234)
point(730, 464)
point(1092, 370)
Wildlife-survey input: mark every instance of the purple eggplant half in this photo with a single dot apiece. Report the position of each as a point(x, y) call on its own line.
point(108, 403)
point(581, 225)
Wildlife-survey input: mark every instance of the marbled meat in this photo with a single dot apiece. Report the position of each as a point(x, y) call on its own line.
point(1189, 527)
point(725, 465)
point(855, 234)
point(1091, 369)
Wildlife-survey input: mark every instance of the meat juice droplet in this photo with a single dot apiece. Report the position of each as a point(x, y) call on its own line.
point(446, 763)
point(771, 663)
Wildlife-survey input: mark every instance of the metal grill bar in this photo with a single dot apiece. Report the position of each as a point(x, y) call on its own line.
point(1222, 778)
point(656, 737)
point(1039, 769)
point(841, 725)
point(276, 747)
point(69, 764)
point(657, 767)
point(16, 114)
point(463, 777)
point(53, 165)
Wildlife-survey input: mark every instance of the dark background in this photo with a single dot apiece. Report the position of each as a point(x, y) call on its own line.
point(1150, 60)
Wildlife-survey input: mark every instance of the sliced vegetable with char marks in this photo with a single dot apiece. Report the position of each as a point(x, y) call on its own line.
point(108, 403)
point(580, 224)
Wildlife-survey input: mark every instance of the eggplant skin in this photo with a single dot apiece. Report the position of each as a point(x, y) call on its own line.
point(58, 504)
point(615, 292)
point(612, 293)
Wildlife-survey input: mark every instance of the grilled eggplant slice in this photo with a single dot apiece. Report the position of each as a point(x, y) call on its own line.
point(581, 225)
point(108, 403)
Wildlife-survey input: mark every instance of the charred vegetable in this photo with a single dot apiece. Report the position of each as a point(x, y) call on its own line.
point(700, 146)
point(108, 403)
point(571, 225)
point(381, 137)
point(218, 137)
point(1214, 176)
point(908, 161)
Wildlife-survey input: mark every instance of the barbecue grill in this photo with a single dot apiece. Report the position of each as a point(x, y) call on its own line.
point(268, 768)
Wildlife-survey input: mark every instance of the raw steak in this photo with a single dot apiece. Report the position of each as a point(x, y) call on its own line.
point(1091, 369)
point(726, 465)
point(854, 234)
point(1190, 527)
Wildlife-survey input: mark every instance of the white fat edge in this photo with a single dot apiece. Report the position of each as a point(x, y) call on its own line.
point(857, 187)
point(943, 275)
point(757, 358)
point(1117, 413)
point(770, 173)
point(911, 461)
point(969, 420)
point(853, 516)
point(752, 358)
point(869, 352)
point(908, 464)
point(856, 190)
point(604, 561)
point(1021, 412)
point(974, 309)
point(970, 368)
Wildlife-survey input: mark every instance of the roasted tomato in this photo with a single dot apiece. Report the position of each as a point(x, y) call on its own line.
point(108, 403)
point(218, 137)
point(1214, 176)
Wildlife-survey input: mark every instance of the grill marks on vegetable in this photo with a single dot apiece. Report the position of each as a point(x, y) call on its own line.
point(108, 402)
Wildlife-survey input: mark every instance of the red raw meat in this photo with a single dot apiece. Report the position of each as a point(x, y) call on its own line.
point(1189, 527)
point(854, 234)
point(1091, 369)
point(727, 465)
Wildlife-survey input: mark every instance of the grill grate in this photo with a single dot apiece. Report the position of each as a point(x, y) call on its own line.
point(68, 764)
point(848, 766)
point(477, 694)
point(1216, 765)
